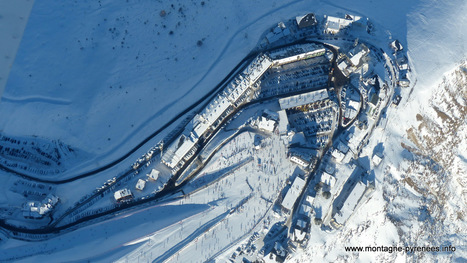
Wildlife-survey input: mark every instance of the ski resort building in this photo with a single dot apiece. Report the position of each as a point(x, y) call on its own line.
point(266, 124)
point(140, 184)
point(181, 150)
point(376, 159)
point(335, 24)
point(154, 175)
point(357, 54)
point(37, 210)
point(283, 123)
point(277, 33)
point(350, 204)
point(293, 193)
point(294, 53)
point(303, 99)
point(123, 195)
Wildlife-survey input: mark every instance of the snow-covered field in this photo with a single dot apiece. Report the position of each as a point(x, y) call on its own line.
point(102, 75)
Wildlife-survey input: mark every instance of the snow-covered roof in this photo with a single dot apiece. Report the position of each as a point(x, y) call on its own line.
point(350, 113)
point(357, 53)
point(334, 24)
point(354, 104)
point(343, 65)
point(283, 122)
point(265, 124)
point(294, 50)
point(140, 184)
point(177, 150)
point(214, 110)
point(257, 68)
point(154, 175)
point(376, 159)
point(396, 45)
point(293, 193)
point(338, 155)
point(355, 59)
point(302, 99)
point(123, 193)
point(200, 128)
point(297, 52)
point(39, 209)
point(350, 203)
point(299, 160)
point(299, 235)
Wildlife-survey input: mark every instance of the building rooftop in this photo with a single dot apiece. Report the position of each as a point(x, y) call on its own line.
point(140, 184)
point(350, 203)
point(266, 125)
point(177, 150)
point(294, 50)
point(122, 194)
point(334, 24)
point(283, 122)
point(303, 99)
point(154, 175)
point(293, 193)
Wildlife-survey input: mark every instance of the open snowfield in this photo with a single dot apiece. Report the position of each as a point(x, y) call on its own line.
point(102, 75)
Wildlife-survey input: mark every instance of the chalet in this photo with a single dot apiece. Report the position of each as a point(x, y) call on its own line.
point(376, 159)
point(140, 184)
point(123, 195)
point(154, 175)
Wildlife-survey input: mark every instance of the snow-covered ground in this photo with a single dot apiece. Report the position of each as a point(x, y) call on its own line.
point(102, 75)
point(13, 19)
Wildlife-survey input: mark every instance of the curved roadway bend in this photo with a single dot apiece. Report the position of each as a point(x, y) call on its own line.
point(141, 144)
point(171, 188)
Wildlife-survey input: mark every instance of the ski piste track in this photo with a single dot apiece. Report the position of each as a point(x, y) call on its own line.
point(171, 188)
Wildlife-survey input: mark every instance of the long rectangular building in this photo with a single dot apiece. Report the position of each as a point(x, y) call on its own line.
point(303, 99)
point(294, 53)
